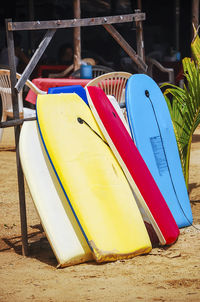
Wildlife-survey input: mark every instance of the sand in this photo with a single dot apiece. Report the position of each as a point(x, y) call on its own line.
point(166, 274)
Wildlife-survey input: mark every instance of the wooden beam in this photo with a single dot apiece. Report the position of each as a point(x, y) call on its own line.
point(55, 24)
point(35, 58)
point(126, 47)
point(77, 36)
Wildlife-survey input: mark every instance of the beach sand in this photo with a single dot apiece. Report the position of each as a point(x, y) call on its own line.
point(166, 274)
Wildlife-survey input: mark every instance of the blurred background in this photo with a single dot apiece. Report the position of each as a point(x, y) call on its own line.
point(167, 28)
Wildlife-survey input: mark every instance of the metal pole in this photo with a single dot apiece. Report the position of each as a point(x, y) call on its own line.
point(16, 122)
point(77, 36)
point(22, 203)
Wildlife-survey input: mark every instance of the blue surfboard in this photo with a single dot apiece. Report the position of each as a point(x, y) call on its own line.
point(153, 133)
point(78, 89)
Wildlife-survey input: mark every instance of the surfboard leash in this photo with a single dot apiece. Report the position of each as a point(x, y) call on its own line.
point(147, 94)
point(81, 121)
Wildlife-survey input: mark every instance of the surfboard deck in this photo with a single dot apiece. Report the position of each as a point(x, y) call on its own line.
point(92, 181)
point(134, 167)
point(153, 132)
point(59, 224)
point(78, 89)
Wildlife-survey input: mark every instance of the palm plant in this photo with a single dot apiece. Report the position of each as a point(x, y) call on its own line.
point(184, 105)
point(195, 46)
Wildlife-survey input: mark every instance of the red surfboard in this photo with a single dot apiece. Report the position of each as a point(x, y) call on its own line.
point(150, 200)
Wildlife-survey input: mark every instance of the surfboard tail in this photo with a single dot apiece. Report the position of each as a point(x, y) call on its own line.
point(107, 256)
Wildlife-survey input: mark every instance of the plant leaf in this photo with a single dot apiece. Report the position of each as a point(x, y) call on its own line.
point(184, 107)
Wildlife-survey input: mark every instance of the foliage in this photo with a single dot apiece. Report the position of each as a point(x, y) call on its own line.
point(184, 105)
point(195, 47)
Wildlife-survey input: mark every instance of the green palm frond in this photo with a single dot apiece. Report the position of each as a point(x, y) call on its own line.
point(195, 46)
point(185, 108)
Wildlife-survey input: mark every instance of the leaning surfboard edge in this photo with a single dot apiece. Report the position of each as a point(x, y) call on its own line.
point(61, 261)
point(63, 257)
point(65, 193)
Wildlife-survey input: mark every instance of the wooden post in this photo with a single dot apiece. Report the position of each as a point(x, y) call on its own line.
point(139, 38)
point(77, 36)
point(22, 204)
point(139, 4)
point(195, 13)
point(31, 13)
point(177, 24)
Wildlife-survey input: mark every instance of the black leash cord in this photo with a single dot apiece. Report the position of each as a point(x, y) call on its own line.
point(81, 121)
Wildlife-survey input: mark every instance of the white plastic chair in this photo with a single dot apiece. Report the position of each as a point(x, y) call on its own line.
point(5, 92)
point(112, 83)
point(152, 63)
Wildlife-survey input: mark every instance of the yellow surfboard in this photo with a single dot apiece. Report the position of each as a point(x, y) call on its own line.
point(93, 182)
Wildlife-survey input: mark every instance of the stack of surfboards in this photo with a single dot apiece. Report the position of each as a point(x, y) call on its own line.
point(91, 187)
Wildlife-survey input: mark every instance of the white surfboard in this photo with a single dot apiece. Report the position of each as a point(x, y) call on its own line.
point(115, 104)
point(60, 226)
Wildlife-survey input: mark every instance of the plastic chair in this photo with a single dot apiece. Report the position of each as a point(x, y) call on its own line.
point(5, 92)
point(97, 70)
point(112, 83)
point(152, 63)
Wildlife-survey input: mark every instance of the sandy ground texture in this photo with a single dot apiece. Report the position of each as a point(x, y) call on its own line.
point(166, 274)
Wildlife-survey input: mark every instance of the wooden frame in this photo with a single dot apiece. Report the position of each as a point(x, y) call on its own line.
point(16, 86)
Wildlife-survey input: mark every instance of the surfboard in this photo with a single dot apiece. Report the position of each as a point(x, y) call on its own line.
point(134, 167)
point(60, 226)
point(92, 181)
point(153, 132)
point(78, 89)
point(115, 104)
